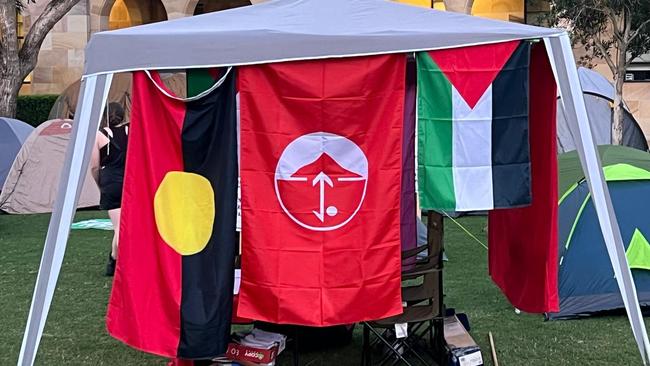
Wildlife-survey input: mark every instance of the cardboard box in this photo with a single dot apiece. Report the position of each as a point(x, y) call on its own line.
point(463, 351)
point(239, 352)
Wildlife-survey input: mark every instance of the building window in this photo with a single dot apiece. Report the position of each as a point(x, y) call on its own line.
point(128, 13)
point(639, 69)
point(637, 75)
point(208, 6)
point(508, 10)
point(536, 12)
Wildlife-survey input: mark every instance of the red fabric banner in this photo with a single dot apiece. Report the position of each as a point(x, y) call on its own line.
point(523, 242)
point(320, 172)
point(173, 288)
point(144, 308)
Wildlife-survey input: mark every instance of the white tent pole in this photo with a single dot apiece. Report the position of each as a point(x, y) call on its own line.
point(93, 93)
point(566, 74)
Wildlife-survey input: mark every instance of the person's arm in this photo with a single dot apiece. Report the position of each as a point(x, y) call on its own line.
point(94, 162)
point(100, 141)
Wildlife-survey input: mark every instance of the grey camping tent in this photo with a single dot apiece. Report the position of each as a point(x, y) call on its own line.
point(13, 134)
point(286, 30)
point(41, 160)
point(120, 92)
point(599, 94)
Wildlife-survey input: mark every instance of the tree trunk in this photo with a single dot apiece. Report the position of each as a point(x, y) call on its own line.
point(11, 79)
point(9, 88)
point(617, 121)
point(9, 62)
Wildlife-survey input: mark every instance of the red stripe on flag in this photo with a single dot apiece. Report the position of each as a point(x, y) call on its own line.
point(144, 308)
point(523, 241)
point(293, 269)
point(472, 69)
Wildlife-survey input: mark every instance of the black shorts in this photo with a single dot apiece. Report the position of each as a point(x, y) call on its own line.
point(110, 189)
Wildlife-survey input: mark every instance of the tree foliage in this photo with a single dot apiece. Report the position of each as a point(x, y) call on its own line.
point(35, 109)
point(20, 5)
point(605, 26)
point(616, 31)
point(18, 59)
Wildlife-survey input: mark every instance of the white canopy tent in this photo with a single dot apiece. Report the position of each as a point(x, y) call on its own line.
point(284, 30)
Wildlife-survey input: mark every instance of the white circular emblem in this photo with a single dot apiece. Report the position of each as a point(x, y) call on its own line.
point(321, 180)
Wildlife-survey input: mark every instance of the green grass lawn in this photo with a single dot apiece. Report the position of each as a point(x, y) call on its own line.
point(75, 332)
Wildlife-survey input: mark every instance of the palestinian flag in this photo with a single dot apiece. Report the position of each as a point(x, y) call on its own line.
point(473, 148)
point(321, 170)
point(173, 288)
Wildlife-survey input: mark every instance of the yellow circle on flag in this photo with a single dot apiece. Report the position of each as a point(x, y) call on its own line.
point(184, 211)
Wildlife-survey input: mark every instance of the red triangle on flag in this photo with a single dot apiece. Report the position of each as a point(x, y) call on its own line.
point(472, 69)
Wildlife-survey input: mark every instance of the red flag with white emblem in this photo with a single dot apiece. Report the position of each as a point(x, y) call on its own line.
point(321, 172)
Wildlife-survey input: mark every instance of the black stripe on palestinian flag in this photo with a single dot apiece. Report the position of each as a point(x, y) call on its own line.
point(209, 143)
point(510, 139)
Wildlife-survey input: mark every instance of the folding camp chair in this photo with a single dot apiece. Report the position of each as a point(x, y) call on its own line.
point(423, 311)
point(421, 319)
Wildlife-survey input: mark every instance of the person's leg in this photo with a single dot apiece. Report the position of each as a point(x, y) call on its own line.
point(115, 219)
point(112, 259)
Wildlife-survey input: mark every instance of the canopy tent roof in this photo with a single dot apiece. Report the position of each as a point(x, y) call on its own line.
point(282, 30)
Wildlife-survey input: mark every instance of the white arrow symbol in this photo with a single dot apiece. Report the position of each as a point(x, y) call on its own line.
point(321, 179)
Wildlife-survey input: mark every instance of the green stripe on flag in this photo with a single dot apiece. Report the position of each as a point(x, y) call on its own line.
point(435, 137)
point(198, 81)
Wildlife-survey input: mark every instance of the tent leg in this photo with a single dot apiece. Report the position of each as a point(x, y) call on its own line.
point(93, 94)
point(566, 74)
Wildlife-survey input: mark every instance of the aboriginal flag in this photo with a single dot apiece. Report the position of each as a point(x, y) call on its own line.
point(321, 154)
point(172, 292)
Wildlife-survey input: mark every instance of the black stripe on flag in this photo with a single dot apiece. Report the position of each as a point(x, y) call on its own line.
point(209, 140)
point(510, 140)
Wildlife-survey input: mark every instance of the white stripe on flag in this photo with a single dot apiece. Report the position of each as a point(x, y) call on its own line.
point(472, 152)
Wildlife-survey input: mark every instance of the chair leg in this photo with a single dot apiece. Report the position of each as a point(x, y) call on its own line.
point(408, 348)
point(420, 338)
point(431, 326)
point(296, 352)
point(364, 345)
point(439, 340)
point(385, 352)
point(389, 346)
point(388, 354)
point(365, 353)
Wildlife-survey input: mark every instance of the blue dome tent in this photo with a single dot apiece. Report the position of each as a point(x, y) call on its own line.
point(13, 134)
point(586, 279)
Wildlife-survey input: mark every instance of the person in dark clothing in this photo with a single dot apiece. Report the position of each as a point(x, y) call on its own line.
point(108, 161)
